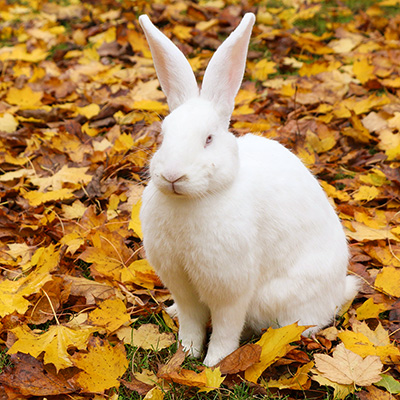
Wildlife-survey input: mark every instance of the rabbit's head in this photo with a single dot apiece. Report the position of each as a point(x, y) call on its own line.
point(198, 154)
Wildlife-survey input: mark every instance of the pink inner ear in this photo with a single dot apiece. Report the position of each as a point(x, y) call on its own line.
point(173, 69)
point(224, 73)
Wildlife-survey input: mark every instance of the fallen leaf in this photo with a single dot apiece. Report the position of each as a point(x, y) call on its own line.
point(111, 314)
point(365, 341)
point(370, 310)
point(147, 337)
point(389, 383)
point(28, 376)
point(299, 381)
point(388, 280)
point(55, 343)
point(102, 366)
point(340, 391)
point(213, 379)
point(134, 223)
point(274, 344)
point(348, 368)
point(8, 123)
point(241, 359)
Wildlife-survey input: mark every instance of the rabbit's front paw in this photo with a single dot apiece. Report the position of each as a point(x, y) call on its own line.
point(172, 311)
point(213, 359)
point(193, 349)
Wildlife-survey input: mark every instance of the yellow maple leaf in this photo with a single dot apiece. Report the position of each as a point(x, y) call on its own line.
point(74, 211)
point(111, 314)
point(147, 337)
point(262, 69)
point(102, 366)
point(138, 43)
point(124, 142)
point(322, 142)
point(141, 273)
point(13, 293)
point(213, 379)
point(364, 341)
point(363, 233)
point(134, 222)
point(370, 310)
point(20, 52)
point(88, 111)
point(54, 343)
point(102, 262)
point(154, 394)
point(366, 193)
point(363, 70)
point(331, 191)
point(151, 105)
point(24, 98)
point(71, 175)
point(36, 197)
point(388, 280)
point(182, 32)
point(275, 344)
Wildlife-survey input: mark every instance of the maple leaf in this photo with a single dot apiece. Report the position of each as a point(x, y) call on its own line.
point(348, 368)
point(370, 310)
point(297, 382)
point(13, 293)
point(110, 364)
point(388, 280)
point(213, 379)
point(55, 343)
point(134, 223)
point(274, 344)
point(36, 197)
point(64, 175)
point(29, 378)
point(111, 314)
point(340, 391)
point(365, 341)
point(147, 336)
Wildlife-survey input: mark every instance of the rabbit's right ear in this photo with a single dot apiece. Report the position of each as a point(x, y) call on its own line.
point(174, 72)
point(225, 70)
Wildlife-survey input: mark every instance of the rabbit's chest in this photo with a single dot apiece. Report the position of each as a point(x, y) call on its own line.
point(200, 238)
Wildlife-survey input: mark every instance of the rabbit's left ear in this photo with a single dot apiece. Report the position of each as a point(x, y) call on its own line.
point(174, 72)
point(225, 70)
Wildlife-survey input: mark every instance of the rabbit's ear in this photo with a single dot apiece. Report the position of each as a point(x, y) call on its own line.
point(173, 69)
point(224, 73)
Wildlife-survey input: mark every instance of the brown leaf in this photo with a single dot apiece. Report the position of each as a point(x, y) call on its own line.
point(136, 385)
point(28, 376)
point(240, 359)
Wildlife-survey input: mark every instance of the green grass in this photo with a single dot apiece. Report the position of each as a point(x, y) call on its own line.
point(5, 360)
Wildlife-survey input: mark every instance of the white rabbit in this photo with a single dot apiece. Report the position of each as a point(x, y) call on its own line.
point(237, 228)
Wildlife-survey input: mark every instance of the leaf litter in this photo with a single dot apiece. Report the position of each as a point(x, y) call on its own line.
point(82, 311)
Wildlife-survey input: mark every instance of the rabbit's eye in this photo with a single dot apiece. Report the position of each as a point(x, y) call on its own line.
point(208, 140)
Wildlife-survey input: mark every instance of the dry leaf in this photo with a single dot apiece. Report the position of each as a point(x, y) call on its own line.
point(147, 337)
point(101, 366)
point(55, 343)
point(274, 344)
point(348, 368)
point(29, 378)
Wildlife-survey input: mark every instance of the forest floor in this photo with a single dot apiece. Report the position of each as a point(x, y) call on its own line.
point(81, 310)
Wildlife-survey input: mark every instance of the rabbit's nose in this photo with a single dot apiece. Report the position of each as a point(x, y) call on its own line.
point(173, 177)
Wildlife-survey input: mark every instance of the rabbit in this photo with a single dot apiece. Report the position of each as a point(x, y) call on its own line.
point(238, 229)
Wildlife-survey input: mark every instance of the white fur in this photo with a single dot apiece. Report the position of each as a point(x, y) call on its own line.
point(237, 229)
